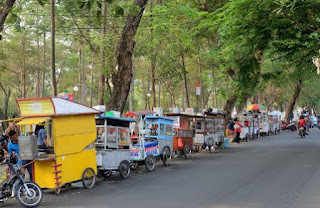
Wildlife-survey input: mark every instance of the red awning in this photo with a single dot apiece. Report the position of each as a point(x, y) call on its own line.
point(138, 113)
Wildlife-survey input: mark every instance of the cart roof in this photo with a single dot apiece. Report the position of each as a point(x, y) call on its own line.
point(139, 113)
point(160, 117)
point(116, 118)
point(178, 114)
point(51, 106)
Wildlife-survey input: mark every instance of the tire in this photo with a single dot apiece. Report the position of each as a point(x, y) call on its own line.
point(166, 157)
point(150, 163)
point(134, 166)
point(124, 169)
point(88, 178)
point(57, 191)
point(187, 149)
point(106, 173)
point(26, 200)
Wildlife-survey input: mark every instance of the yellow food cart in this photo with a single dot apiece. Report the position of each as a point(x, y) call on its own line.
point(71, 132)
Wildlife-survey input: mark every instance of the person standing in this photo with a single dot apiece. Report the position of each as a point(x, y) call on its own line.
point(237, 128)
point(231, 128)
point(13, 146)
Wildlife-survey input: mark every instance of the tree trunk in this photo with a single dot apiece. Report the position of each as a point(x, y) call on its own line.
point(102, 77)
point(229, 107)
point(200, 78)
point(5, 104)
point(182, 96)
point(184, 71)
point(23, 72)
point(53, 51)
point(92, 79)
point(83, 80)
point(44, 65)
point(121, 79)
point(131, 94)
point(148, 92)
point(159, 93)
point(4, 13)
point(292, 102)
point(153, 66)
point(38, 58)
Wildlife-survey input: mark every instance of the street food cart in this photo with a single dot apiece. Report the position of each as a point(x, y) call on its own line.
point(219, 127)
point(71, 132)
point(160, 129)
point(253, 125)
point(182, 133)
point(264, 125)
point(113, 145)
point(144, 152)
point(243, 119)
point(273, 124)
point(204, 132)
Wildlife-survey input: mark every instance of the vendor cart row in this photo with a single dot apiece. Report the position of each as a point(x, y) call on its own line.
point(82, 142)
point(256, 124)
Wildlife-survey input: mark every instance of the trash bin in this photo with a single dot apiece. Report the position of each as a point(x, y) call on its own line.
point(226, 143)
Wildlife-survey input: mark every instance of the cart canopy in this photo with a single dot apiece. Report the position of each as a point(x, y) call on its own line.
point(37, 107)
point(139, 113)
point(31, 121)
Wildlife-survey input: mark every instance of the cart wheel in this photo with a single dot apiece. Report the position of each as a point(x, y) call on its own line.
point(107, 173)
point(150, 163)
point(88, 178)
point(166, 157)
point(134, 166)
point(57, 191)
point(124, 169)
point(187, 149)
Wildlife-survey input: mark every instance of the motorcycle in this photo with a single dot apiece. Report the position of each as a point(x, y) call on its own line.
point(28, 193)
point(290, 126)
point(302, 132)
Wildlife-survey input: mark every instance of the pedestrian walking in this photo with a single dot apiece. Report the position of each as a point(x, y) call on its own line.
point(231, 131)
point(237, 128)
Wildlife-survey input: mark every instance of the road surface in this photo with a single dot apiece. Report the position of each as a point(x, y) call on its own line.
point(280, 171)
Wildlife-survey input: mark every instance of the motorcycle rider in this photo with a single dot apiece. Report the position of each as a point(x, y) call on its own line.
point(302, 123)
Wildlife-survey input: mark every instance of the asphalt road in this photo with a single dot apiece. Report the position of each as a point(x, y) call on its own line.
point(281, 171)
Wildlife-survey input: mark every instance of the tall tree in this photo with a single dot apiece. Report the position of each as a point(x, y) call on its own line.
point(4, 11)
point(121, 78)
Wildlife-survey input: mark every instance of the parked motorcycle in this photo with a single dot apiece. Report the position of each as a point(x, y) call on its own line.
point(302, 132)
point(28, 193)
point(290, 126)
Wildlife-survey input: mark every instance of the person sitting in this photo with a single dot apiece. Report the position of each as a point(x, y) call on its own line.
point(302, 123)
point(42, 138)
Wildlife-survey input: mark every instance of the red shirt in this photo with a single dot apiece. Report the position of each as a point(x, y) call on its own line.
point(238, 130)
point(302, 123)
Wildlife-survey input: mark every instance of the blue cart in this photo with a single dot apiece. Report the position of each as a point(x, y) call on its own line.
point(160, 130)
